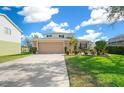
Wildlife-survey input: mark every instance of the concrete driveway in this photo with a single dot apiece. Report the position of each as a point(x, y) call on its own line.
point(35, 71)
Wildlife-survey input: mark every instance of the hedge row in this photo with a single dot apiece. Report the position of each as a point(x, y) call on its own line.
point(115, 49)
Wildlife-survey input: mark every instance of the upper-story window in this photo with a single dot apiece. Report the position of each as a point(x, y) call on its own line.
point(61, 36)
point(48, 35)
point(8, 31)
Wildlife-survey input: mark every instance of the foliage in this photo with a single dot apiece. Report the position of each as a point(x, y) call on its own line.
point(28, 41)
point(72, 43)
point(92, 51)
point(76, 52)
point(67, 52)
point(115, 13)
point(88, 71)
point(85, 50)
point(100, 47)
point(34, 50)
point(115, 49)
point(65, 49)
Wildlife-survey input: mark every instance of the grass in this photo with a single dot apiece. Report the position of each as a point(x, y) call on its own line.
point(12, 57)
point(96, 71)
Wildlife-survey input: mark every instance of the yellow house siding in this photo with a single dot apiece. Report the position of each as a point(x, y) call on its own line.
point(9, 48)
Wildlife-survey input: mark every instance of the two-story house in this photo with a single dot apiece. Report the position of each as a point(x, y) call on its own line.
point(10, 37)
point(56, 42)
point(116, 41)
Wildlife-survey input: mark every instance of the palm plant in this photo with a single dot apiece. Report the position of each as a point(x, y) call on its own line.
point(72, 43)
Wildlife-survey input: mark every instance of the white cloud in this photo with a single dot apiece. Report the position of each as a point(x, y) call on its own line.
point(65, 24)
point(6, 8)
point(104, 38)
point(77, 27)
point(36, 35)
point(38, 14)
point(91, 35)
point(22, 37)
point(62, 27)
point(31, 36)
point(99, 15)
point(97, 7)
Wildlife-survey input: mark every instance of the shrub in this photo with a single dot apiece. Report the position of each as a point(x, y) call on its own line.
point(34, 50)
point(76, 52)
point(67, 52)
point(92, 51)
point(115, 49)
point(65, 49)
point(85, 50)
point(100, 47)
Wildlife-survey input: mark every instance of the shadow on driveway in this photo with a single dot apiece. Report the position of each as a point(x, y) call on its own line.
point(39, 74)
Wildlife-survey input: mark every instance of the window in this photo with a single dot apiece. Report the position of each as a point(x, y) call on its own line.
point(61, 36)
point(7, 30)
point(49, 36)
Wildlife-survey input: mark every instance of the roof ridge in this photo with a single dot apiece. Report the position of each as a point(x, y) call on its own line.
point(11, 22)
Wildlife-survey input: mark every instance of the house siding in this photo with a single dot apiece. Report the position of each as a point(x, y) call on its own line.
point(9, 48)
point(15, 33)
point(10, 43)
point(51, 47)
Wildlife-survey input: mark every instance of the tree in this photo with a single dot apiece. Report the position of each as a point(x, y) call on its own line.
point(28, 42)
point(115, 13)
point(72, 43)
point(100, 47)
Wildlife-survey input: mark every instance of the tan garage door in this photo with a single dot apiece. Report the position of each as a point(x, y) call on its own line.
point(51, 47)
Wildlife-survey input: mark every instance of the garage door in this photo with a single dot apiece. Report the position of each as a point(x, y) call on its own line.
point(51, 48)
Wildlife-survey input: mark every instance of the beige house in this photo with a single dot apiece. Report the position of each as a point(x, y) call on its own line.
point(116, 41)
point(10, 37)
point(56, 42)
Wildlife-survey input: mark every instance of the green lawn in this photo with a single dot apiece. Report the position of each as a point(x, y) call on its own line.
point(12, 57)
point(95, 71)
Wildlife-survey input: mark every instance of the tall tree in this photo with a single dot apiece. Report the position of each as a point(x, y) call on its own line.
point(115, 13)
point(100, 47)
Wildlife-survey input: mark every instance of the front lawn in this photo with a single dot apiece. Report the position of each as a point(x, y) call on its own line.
point(92, 71)
point(12, 57)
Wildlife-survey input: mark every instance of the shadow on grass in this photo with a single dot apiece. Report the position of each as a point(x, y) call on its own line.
point(101, 69)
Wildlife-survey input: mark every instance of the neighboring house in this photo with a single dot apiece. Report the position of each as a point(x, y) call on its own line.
point(56, 42)
point(10, 37)
point(25, 49)
point(116, 41)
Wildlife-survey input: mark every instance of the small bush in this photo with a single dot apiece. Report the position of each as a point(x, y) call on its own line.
point(92, 51)
point(85, 51)
point(34, 50)
point(115, 49)
point(65, 49)
point(67, 52)
point(76, 52)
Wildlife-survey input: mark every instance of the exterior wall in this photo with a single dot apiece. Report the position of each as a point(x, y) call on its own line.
point(56, 35)
point(48, 44)
point(15, 34)
point(51, 47)
point(117, 41)
point(9, 48)
point(9, 43)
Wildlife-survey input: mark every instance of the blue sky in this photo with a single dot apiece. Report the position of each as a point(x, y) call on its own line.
point(85, 22)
